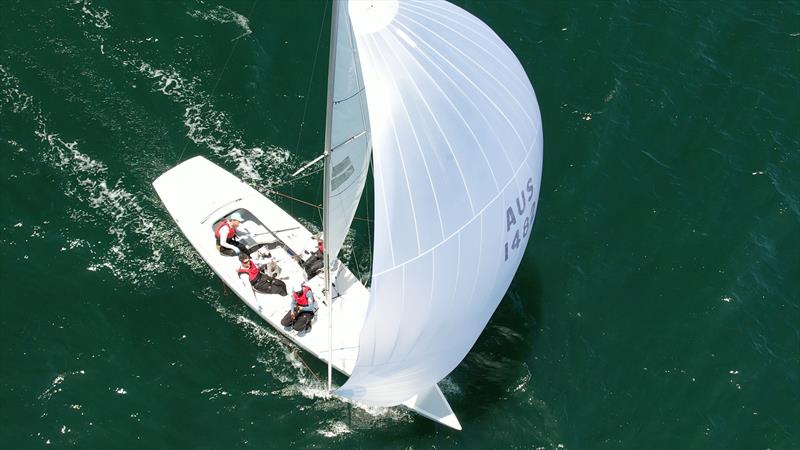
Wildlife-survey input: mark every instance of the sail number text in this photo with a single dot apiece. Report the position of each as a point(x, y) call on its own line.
point(519, 219)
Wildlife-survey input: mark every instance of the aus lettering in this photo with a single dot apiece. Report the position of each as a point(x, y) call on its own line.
point(524, 199)
point(518, 238)
point(519, 217)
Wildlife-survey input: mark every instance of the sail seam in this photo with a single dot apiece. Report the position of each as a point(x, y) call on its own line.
point(502, 191)
point(467, 97)
point(424, 70)
point(421, 154)
point(478, 45)
point(405, 170)
point(478, 261)
point(479, 66)
point(441, 131)
point(487, 97)
point(380, 178)
point(402, 307)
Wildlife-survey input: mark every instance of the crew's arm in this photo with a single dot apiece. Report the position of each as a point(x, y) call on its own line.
point(242, 229)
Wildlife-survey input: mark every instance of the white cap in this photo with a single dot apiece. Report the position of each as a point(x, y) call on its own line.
point(297, 288)
point(236, 216)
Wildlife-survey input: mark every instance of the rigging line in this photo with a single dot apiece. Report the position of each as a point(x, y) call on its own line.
point(336, 102)
point(321, 186)
point(292, 180)
point(311, 79)
point(281, 194)
point(318, 207)
point(308, 91)
point(369, 233)
point(222, 72)
point(307, 368)
point(319, 213)
point(354, 252)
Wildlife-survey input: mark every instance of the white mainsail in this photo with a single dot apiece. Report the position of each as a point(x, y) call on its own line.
point(457, 148)
point(350, 137)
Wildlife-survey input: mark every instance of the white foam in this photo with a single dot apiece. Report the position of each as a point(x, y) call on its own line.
point(450, 388)
point(47, 394)
point(283, 362)
point(370, 416)
point(522, 383)
point(84, 179)
point(11, 94)
point(335, 429)
point(92, 15)
point(211, 128)
point(215, 393)
point(221, 14)
point(205, 125)
point(258, 393)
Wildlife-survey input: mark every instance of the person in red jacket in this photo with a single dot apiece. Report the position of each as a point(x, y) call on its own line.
point(225, 234)
point(303, 309)
point(251, 273)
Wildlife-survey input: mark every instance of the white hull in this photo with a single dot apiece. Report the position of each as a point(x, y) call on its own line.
point(198, 193)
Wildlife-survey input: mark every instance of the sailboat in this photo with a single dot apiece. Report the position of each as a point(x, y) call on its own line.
point(448, 117)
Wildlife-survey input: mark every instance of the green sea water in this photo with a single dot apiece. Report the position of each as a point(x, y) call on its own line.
point(657, 306)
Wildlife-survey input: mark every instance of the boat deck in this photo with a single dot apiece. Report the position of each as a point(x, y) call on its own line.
point(196, 207)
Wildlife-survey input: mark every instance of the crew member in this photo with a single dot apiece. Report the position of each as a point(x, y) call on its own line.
point(225, 233)
point(303, 309)
point(314, 263)
point(250, 272)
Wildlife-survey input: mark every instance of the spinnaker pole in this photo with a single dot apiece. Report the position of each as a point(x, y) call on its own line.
point(326, 210)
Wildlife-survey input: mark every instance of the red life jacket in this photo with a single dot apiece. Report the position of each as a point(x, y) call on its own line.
point(321, 246)
point(252, 271)
point(231, 230)
point(301, 299)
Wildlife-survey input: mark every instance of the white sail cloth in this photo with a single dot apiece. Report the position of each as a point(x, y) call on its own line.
point(350, 138)
point(457, 148)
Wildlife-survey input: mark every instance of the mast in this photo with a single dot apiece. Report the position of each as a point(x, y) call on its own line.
point(326, 210)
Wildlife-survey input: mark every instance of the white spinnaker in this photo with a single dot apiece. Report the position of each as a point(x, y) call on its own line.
point(350, 137)
point(457, 149)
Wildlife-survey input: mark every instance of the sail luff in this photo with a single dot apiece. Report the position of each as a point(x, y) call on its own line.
point(326, 207)
point(350, 135)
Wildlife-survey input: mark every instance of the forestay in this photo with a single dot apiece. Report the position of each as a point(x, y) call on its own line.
point(350, 137)
point(457, 148)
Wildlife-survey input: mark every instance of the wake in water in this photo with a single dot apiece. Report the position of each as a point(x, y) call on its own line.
point(138, 246)
point(281, 360)
point(84, 180)
point(206, 126)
